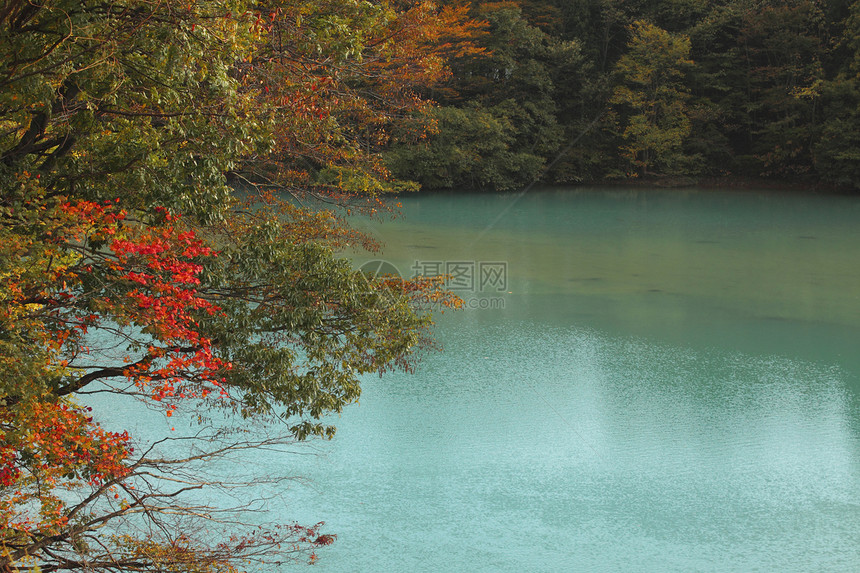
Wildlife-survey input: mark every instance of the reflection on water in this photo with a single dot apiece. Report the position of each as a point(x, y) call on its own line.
point(766, 256)
point(535, 448)
point(672, 385)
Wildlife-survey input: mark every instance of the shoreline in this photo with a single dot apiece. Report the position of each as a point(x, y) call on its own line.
point(725, 183)
point(734, 183)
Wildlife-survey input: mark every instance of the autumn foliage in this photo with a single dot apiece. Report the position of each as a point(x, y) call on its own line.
point(156, 249)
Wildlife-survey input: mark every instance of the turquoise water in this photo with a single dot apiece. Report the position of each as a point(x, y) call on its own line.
point(664, 381)
point(671, 385)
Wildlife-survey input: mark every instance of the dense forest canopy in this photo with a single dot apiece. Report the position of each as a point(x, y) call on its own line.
point(588, 90)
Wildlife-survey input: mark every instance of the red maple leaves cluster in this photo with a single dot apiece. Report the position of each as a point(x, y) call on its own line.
point(164, 264)
point(148, 272)
point(51, 445)
point(61, 442)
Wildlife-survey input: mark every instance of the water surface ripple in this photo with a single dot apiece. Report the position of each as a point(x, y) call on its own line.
point(672, 385)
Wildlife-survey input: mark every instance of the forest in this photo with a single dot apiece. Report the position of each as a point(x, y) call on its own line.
point(573, 91)
point(177, 177)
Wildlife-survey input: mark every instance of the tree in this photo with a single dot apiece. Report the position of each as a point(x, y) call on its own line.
point(473, 148)
point(652, 99)
point(501, 125)
point(837, 151)
point(130, 268)
point(782, 44)
point(342, 80)
point(721, 124)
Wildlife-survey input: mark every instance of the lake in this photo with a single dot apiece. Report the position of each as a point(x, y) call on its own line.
point(661, 380)
point(643, 380)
